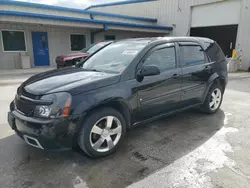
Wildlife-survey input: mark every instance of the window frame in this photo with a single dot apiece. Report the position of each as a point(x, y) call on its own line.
point(191, 43)
point(158, 47)
point(84, 34)
point(25, 42)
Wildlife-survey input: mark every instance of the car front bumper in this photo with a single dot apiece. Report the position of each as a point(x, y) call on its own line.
point(48, 134)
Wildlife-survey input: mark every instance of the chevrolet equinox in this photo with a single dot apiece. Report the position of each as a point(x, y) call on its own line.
point(127, 83)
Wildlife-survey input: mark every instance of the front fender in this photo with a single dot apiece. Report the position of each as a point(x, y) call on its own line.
point(84, 103)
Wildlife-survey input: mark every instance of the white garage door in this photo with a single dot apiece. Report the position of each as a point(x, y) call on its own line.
point(215, 14)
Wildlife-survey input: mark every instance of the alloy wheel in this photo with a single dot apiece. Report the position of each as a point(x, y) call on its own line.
point(215, 99)
point(105, 134)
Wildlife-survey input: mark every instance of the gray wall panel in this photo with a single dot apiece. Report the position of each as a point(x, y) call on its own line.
point(58, 38)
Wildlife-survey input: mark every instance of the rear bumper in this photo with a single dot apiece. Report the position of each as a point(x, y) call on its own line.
point(51, 134)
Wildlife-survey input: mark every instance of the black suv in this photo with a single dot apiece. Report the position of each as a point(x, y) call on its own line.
point(129, 82)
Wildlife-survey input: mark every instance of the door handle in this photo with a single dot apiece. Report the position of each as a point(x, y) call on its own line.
point(175, 76)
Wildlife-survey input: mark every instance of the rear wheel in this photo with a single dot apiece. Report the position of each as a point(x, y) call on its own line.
point(102, 132)
point(213, 99)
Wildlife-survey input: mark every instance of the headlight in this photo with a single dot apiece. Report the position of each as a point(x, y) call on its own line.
point(43, 111)
point(59, 108)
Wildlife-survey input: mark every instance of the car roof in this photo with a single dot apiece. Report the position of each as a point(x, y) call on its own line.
point(169, 39)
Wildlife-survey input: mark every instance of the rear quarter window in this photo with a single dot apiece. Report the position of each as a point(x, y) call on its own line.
point(214, 51)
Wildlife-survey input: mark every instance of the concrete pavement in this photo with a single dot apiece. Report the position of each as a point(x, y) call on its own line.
point(17, 76)
point(239, 75)
point(187, 150)
point(20, 72)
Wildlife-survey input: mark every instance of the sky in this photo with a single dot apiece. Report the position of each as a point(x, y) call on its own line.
point(81, 4)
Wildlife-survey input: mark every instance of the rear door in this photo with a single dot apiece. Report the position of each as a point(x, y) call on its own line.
point(160, 94)
point(196, 70)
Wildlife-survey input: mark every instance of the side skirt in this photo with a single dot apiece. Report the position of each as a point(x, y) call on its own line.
point(163, 115)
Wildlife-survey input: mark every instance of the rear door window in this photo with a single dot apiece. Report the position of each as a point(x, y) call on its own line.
point(192, 54)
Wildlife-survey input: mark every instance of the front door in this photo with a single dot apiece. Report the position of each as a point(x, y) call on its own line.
point(40, 48)
point(160, 94)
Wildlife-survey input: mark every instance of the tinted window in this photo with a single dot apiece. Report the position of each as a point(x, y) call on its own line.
point(192, 55)
point(13, 41)
point(78, 42)
point(214, 52)
point(164, 59)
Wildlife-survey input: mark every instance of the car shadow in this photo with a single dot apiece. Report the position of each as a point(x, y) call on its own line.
point(146, 149)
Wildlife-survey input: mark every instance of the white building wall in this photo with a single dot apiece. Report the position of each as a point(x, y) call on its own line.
point(58, 40)
point(178, 13)
point(224, 13)
point(42, 11)
point(145, 9)
point(125, 34)
point(184, 14)
point(243, 38)
point(50, 22)
point(72, 24)
point(175, 13)
point(70, 14)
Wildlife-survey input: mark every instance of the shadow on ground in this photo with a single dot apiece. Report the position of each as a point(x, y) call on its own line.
point(146, 149)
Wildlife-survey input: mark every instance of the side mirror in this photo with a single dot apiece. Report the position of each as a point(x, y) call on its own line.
point(149, 70)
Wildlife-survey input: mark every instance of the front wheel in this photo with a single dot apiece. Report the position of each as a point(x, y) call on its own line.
point(102, 132)
point(213, 99)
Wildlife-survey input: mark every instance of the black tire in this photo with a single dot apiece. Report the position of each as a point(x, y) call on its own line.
point(206, 105)
point(87, 125)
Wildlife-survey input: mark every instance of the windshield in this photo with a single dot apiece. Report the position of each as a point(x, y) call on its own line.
point(115, 57)
point(94, 47)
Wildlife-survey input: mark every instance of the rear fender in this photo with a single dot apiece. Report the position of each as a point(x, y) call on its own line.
point(213, 78)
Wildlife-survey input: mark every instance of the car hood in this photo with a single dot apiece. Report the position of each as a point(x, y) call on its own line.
point(72, 56)
point(72, 80)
